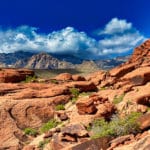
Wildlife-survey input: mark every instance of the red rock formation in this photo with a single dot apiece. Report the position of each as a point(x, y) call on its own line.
point(13, 75)
point(86, 106)
point(141, 53)
point(64, 77)
point(32, 104)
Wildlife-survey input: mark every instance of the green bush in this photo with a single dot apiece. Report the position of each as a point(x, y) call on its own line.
point(30, 79)
point(75, 92)
point(54, 81)
point(30, 131)
point(49, 125)
point(60, 107)
point(85, 94)
point(43, 143)
point(103, 88)
point(116, 127)
point(119, 99)
point(73, 100)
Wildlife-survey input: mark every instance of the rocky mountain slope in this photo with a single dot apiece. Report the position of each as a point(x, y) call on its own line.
point(42, 61)
point(106, 110)
point(30, 60)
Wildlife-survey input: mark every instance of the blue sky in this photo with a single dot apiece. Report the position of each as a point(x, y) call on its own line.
point(85, 28)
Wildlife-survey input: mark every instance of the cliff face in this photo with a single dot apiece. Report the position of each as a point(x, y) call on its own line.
point(70, 104)
point(141, 54)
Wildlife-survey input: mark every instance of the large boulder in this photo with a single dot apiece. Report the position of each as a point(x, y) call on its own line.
point(83, 86)
point(122, 70)
point(97, 77)
point(144, 121)
point(94, 144)
point(86, 106)
point(139, 76)
point(64, 76)
point(14, 75)
point(142, 144)
point(77, 78)
point(75, 129)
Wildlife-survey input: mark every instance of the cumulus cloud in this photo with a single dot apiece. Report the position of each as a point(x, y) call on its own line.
point(65, 41)
point(118, 36)
point(117, 26)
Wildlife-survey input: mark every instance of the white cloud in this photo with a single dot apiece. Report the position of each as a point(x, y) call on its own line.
point(69, 40)
point(118, 36)
point(26, 38)
point(117, 26)
point(120, 43)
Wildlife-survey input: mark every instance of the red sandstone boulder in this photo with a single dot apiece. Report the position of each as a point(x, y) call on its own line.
point(83, 86)
point(64, 76)
point(106, 110)
point(120, 140)
point(142, 144)
point(14, 75)
point(144, 121)
point(94, 144)
point(86, 106)
point(76, 130)
point(139, 76)
point(77, 78)
point(140, 95)
point(30, 147)
point(122, 70)
point(96, 77)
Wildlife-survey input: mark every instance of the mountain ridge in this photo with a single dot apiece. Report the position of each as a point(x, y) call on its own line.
point(45, 60)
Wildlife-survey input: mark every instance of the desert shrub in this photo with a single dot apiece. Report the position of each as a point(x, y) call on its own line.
point(101, 128)
point(49, 125)
point(60, 107)
point(54, 81)
point(75, 93)
point(85, 94)
point(30, 79)
point(42, 144)
point(116, 127)
point(74, 99)
point(104, 88)
point(119, 99)
point(148, 109)
point(30, 131)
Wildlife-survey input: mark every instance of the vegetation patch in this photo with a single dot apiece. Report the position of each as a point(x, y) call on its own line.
point(54, 81)
point(43, 143)
point(119, 99)
point(85, 94)
point(104, 88)
point(49, 125)
point(75, 93)
point(60, 107)
point(30, 79)
point(30, 131)
point(116, 127)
